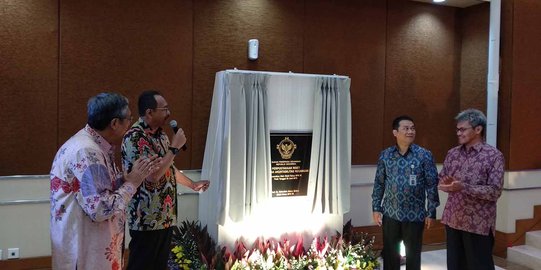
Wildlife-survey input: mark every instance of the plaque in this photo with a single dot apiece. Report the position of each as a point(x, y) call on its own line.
point(290, 163)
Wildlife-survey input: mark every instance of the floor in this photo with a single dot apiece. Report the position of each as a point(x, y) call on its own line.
point(433, 258)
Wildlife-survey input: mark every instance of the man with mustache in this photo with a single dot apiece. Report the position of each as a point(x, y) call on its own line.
point(152, 211)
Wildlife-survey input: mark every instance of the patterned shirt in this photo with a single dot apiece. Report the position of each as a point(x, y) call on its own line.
point(153, 206)
point(480, 169)
point(403, 182)
point(88, 204)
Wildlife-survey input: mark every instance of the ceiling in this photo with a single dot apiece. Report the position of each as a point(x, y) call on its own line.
point(456, 3)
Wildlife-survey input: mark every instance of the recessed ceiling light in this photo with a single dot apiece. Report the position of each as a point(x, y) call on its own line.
point(438, 1)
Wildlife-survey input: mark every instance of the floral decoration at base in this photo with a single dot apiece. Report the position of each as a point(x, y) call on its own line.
point(192, 248)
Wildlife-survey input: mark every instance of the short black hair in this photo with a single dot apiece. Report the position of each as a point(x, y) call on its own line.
point(104, 107)
point(396, 121)
point(147, 100)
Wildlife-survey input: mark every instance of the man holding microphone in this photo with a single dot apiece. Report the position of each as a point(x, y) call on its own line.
point(152, 211)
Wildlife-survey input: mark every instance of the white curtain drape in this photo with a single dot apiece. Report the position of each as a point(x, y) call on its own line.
point(330, 165)
point(250, 171)
point(240, 108)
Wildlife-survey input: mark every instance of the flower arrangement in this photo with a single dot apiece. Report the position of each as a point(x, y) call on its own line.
point(322, 254)
point(348, 251)
point(192, 248)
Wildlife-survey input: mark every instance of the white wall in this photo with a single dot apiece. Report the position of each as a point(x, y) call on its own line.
point(25, 213)
point(522, 190)
point(24, 221)
point(24, 206)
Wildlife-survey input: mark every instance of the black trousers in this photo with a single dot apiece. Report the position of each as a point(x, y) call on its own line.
point(149, 249)
point(467, 250)
point(394, 232)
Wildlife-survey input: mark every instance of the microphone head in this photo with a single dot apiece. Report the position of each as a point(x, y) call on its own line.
point(173, 124)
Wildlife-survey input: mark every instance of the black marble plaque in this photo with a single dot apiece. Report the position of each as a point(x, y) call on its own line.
point(290, 155)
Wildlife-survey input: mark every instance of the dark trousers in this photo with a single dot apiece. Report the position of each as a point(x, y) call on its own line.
point(149, 249)
point(411, 233)
point(467, 250)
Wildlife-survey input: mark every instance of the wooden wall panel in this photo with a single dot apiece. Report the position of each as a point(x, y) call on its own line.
point(348, 38)
point(474, 23)
point(128, 47)
point(422, 72)
point(221, 32)
point(28, 79)
point(526, 87)
point(402, 56)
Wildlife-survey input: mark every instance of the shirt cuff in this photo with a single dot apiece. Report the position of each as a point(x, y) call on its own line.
point(129, 188)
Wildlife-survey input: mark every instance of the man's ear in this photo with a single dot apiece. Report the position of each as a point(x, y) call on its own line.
point(148, 112)
point(478, 129)
point(395, 132)
point(115, 122)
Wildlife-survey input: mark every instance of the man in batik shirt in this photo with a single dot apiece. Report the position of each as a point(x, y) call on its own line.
point(152, 211)
point(89, 195)
point(406, 175)
point(472, 174)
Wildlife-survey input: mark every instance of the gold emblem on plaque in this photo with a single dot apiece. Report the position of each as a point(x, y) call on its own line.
point(286, 147)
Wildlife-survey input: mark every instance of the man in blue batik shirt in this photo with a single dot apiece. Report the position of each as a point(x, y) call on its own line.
point(405, 176)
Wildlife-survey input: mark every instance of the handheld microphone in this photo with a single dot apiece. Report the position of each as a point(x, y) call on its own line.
point(174, 126)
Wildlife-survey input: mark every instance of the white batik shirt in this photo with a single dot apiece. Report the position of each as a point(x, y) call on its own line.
point(88, 204)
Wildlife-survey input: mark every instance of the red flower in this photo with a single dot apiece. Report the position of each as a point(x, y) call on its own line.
point(227, 255)
point(55, 184)
point(66, 187)
point(240, 250)
point(320, 247)
point(167, 202)
point(143, 143)
point(298, 249)
point(75, 184)
point(115, 266)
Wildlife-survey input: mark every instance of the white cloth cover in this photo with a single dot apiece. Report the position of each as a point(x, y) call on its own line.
point(237, 152)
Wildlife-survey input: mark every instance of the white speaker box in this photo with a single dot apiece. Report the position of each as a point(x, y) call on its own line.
point(253, 47)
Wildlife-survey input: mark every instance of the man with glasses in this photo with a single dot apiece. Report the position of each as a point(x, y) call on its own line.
point(89, 195)
point(153, 211)
point(405, 176)
point(472, 175)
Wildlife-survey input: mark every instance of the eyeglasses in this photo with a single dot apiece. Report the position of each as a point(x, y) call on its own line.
point(461, 130)
point(162, 109)
point(127, 117)
point(122, 118)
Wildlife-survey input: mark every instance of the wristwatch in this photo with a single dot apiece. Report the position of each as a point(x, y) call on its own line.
point(174, 150)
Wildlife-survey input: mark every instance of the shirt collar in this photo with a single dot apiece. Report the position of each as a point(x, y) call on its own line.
point(146, 128)
point(100, 141)
point(396, 150)
point(476, 147)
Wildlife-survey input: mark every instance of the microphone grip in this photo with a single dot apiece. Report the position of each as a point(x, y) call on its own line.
point(185, 146)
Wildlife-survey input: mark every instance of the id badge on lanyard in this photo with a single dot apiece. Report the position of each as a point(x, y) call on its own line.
point(413, 177)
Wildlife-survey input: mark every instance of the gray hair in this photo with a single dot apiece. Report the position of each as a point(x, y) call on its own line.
point(104, 107)
point(474, 117)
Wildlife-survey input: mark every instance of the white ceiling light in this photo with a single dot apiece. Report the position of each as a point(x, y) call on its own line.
point(456, 3)
point(438, 1)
